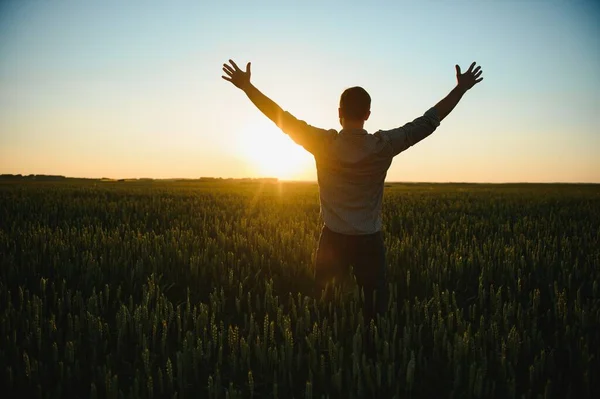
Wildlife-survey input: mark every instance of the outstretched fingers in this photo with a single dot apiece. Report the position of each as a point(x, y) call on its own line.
point(477, 74)
point(234, 65)
point(470, 77)
point(228, 70)
point(233, 74)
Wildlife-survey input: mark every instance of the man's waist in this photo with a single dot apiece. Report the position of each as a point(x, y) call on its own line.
point(350, 231)
point(345, 220)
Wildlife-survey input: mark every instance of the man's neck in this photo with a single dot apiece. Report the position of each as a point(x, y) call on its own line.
point(352, 125)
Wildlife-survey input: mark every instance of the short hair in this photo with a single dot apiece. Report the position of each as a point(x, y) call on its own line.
point(355, 103)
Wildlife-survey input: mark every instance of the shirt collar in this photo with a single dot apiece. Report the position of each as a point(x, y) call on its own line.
point(353, 132)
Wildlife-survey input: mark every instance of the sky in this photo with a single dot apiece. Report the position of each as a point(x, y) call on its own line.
point(127, 89)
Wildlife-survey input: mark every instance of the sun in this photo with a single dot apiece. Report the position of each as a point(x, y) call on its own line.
point(272, 153)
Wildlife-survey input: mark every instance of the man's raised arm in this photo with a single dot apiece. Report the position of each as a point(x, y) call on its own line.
point(241, 80)
point(309, 137)
point(464, 82)
point(411, 133)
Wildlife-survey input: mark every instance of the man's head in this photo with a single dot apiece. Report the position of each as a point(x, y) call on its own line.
point(355, 107)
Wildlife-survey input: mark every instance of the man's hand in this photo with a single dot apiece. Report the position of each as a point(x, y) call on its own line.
point(241, 80)
point(470, 78)
point(235, 75)
point(465, 82)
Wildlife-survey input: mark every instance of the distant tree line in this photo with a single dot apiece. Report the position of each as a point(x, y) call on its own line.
point(61, 178)
point(32, 177)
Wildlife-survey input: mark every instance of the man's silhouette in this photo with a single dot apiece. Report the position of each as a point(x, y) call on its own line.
point(351, 169)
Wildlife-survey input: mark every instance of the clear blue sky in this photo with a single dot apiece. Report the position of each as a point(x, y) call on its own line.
point(133, 88)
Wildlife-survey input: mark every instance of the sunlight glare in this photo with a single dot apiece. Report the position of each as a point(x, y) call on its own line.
point(273, 153)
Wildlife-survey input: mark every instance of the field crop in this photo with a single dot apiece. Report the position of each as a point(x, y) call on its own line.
point(205, 289)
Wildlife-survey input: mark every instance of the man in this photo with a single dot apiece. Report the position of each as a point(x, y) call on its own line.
point(351, 169)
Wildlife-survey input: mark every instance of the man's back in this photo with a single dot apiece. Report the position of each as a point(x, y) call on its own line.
point(352, 165)
point(351, 170)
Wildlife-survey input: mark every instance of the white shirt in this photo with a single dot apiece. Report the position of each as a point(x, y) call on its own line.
point(352, 165)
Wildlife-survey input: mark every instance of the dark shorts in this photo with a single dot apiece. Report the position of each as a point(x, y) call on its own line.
point(366, 253)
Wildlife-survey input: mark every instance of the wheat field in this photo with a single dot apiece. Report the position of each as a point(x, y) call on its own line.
point(204, 289)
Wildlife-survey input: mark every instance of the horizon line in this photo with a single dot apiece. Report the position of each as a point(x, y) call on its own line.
point(105, 178)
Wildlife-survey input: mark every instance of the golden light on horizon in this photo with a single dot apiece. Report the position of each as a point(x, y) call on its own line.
point(272, 153)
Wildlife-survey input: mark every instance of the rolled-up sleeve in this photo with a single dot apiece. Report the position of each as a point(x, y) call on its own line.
point(309, 137)
point(410, 134)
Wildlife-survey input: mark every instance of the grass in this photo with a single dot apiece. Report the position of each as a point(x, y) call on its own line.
point(205, 289)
